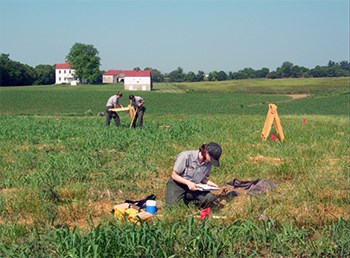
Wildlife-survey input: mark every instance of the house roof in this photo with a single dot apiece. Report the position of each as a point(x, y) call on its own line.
point(63, 66)
point(129, 73)
point(113, 72)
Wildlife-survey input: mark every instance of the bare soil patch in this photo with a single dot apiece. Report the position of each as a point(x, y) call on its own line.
point(260, 159)
point(297, 96)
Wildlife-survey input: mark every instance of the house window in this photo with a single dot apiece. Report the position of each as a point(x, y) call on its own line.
point(69, 71)
point(59, 78)
point(64, 71)
point(59, 71)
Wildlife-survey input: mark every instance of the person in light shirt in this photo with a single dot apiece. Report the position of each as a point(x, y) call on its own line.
point(191, 168)
point(113, 102)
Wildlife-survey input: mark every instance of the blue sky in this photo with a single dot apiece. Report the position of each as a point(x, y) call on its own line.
point(206, 35)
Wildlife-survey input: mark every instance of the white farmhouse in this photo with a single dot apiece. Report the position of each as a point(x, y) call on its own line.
point(132, 79)
point(65, 74)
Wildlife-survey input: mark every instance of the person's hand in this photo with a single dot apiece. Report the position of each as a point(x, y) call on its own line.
point(121, 105)
point(192, 186)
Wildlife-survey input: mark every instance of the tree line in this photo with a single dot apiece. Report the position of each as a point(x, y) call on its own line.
point(86, 62)
point(13, 73)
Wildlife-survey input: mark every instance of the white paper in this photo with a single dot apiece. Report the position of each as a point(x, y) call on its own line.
point(205, 187)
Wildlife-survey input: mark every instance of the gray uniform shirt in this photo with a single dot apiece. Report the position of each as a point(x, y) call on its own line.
point(112, 100)
point(136, 102)
point(187, 166)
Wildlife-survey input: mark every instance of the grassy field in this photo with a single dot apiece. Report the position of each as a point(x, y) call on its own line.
point(62, 170)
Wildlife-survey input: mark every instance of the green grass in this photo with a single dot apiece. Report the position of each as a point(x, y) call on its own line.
point(190, 238)
point(267, 86)
point(71, 171)
point(228, 97)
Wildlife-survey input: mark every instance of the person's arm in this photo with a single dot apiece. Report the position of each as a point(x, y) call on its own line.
point(180, 179)
point(117, 104)
point(208, 182)
point(141, 102)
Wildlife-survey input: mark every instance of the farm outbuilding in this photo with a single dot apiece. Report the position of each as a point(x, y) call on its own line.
point(132, 79)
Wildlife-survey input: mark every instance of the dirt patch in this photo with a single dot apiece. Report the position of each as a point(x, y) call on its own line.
point(260, 159)
point(109, 151)
point(297, 96)
point(9, 190)
point(73, 214)
point(50, 147)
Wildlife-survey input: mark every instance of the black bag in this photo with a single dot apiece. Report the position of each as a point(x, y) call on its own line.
point(142, 203)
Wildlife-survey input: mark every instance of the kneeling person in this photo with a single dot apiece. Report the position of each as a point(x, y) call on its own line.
point(193, 167)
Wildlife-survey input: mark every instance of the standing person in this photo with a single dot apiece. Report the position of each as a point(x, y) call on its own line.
point(137, 103)
point(193, 167)
point(113, 102)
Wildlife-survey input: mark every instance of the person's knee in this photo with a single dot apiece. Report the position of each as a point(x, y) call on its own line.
point(211, 197)
point(206, 200)
point(170, 199)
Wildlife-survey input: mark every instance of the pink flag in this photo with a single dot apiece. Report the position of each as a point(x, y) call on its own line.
point(273, 138)
point(205, 214)
point(304, 121)
point(57, 118)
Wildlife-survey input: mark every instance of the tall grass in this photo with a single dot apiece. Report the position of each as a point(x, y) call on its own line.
point(193, 238)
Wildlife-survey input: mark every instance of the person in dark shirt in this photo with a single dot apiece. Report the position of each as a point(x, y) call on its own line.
point(138, 104)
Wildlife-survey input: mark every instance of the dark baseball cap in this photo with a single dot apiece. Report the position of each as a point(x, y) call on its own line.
point(214, 150)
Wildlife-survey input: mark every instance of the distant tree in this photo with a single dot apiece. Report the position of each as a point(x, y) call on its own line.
point(86, 62)
point(262, 73)
point(249, 73)
point(272, 75)
point(200, 76)
point(298, 71)
point(345, 65)
point(230, 75)
point(4, 69)
point(319, 71)
point(336, 71)
point(177, 75)
point(213, 76)
point(221, 76)
point(137, 69)
point(190, 77)
point(13, 73)
point(156, 75)
point(331, 63)
point(328, 71)
point(44, 74)
point(240, 75)
point(279, 72)
point(285, 70)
